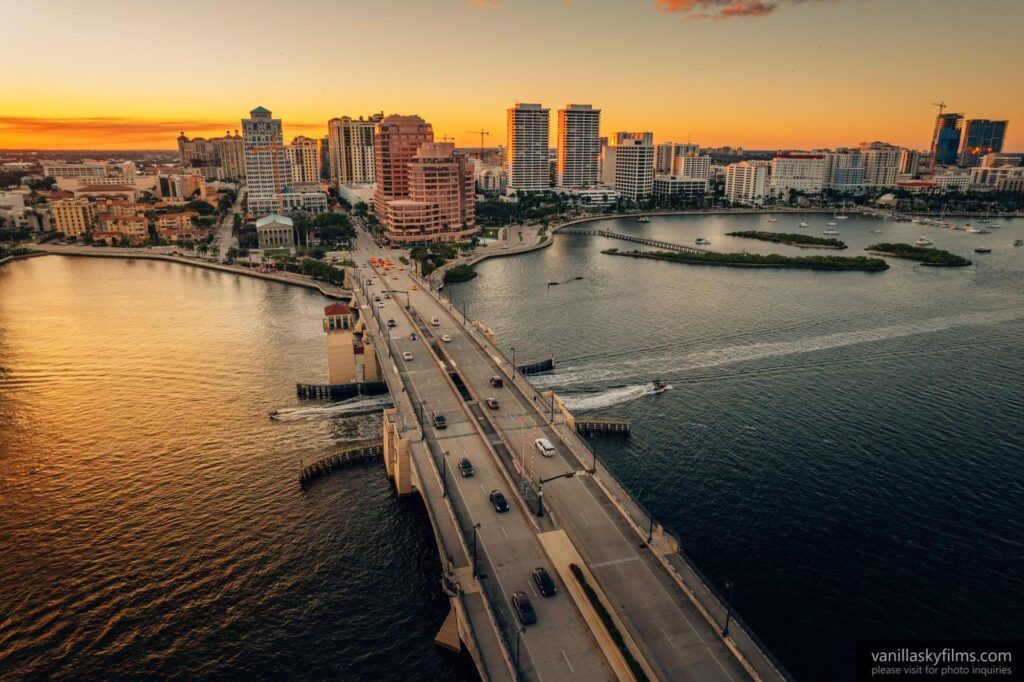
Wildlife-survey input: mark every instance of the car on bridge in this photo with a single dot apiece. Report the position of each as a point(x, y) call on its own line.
point(446, 338)
point(466, 467)
point(497, 382)
point(407, 355)
point(492, 403)
point(545, 585)
point(439, 420)
point(392, 324)
point(524, 609)
point(499, 501)
point(412, 336)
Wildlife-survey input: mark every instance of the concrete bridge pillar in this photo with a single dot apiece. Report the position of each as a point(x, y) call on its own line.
point(397, 460)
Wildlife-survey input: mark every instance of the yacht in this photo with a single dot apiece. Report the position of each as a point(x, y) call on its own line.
point(773, 219)
point(876, 232)
point(643, 219)
point(701, 240)
point(841, 215)
point(983, 249)
point(972, 230)
point(923, 241)
point(803, 225)
point(832, 224)
point(831, 231)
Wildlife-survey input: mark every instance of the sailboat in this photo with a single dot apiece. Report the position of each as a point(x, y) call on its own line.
point(772, 218)
point(841, 215)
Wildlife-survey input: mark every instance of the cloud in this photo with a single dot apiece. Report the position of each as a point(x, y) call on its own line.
point(484, 4)
point(694, 10)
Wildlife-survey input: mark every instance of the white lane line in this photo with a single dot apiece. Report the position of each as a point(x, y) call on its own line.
point(483, 489)
point(611, 562)
point(567, 661)
point(503, 532)
point(669, 638)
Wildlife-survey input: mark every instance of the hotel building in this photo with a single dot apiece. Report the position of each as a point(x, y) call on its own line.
point(267, 170)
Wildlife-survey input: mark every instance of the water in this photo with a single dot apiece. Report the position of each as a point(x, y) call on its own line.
point(151, 521)
point(846, 447)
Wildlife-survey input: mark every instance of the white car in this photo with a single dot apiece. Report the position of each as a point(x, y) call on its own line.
point(407, 355)
point(380, 304)
point(446, 338)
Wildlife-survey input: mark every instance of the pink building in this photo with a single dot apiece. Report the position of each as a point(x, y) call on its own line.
point(395, 141)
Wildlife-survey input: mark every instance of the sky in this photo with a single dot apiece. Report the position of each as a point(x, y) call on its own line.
point(759, 74)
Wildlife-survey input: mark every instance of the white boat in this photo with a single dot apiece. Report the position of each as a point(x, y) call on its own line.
point(831, 232)
point(972, 230)
point(701, 240)
point(983, 249)
point(923, 241)
point(876, 232)
point(643, 219)
point(841, 215)
point(803, 225)
point(832, 224)
point(773, 219)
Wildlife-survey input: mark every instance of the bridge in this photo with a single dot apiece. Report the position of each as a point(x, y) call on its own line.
point(630, 605)
point(667, 246)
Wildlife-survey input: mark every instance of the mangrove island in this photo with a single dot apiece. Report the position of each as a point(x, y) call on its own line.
point(756, 260)
point(802, 240)
point(932, 257)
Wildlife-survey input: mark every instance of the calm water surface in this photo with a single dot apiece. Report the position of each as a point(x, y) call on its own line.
point(151, 523)
point(847, 447)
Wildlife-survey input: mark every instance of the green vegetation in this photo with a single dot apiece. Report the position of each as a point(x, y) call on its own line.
point(459, 273)
point(789, 239)
point(918, 253)
point(755, 260)
point(609, 624)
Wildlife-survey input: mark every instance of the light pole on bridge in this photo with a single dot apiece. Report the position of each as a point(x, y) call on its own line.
point(476, 527)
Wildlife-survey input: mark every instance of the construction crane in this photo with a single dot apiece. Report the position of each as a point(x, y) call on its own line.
point(448, 138)
point(940, 105)
point(481, 133)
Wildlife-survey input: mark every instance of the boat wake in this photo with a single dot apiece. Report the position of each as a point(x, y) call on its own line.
point(625, 369)
point(349, 408)
point(614, 396)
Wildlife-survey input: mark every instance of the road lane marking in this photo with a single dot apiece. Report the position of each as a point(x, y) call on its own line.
point(503, 532)
point(611, 562)
point(567, 661)
point(669, 638)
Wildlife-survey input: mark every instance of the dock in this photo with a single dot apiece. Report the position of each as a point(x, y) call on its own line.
point(339, 391)
point(657, 243)
point(595, 425)
point(357, 452)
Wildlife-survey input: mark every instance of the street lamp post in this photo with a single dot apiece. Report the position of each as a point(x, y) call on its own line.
point(519, 637)
point(650, 527)
point(444, 473)
point(728, 607)
point(540, 500)
point(475, 528)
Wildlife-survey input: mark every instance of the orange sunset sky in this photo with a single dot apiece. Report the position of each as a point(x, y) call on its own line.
point(761, 74)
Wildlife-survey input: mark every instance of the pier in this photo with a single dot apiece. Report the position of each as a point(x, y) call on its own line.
point(339, 391)
point(366, 451)
point(658, 244)
point(596, 425)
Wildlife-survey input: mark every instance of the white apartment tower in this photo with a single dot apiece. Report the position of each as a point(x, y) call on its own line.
point(667, 153)
point(693, 165)
point(746, 182)
point(634, 164)
point(304, 158)
point(267, 169)
point(350, 141)
point(881, 163)
point(579, 145)
point(526, 157)
point(798, 172)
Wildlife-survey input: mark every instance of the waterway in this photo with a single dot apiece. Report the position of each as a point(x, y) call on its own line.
point(845, 446)
point(151, 520)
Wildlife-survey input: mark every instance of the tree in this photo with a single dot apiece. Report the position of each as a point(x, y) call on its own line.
point(360, 208)
point(233, 254)
point(201, 207)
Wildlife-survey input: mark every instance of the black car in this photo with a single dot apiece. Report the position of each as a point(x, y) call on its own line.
point(499, 501)
point(545, 584)
point(492, 403)
point(466, 467)
point(497, 382)
point(524, 609)
point(412, 336)
point(439, 421)
point(391, 323)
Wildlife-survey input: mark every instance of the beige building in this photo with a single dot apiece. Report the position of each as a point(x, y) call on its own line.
point(579, 145)
point(351, 149)
point(73, 217)
point(170, 221)
point(135, 228)
point(304, 158)
point(275, 232)
point(527, 162)
point(350, 354)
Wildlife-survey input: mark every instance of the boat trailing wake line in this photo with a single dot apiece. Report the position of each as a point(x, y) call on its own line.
point(614, 396)
point(352, 407)
point(567, 375)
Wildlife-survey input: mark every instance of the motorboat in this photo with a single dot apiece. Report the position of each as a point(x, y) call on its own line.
point(876, 232)
point(803, 225)
point(832, 224)
point(924, 241)
point(971, 230)
point(1019, 242)
point(701, 240)
point(830, 232)
point(983, 249)
point(643, 219)
point(660, 386)
point(773, 219)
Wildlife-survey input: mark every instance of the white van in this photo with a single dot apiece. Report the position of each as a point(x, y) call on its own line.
point(435, 322)
point(545, 447)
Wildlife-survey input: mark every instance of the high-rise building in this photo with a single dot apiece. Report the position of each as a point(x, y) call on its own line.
point(747, 182)
point(946, 139)
point(911, 162)
point(230, 151)
point(634, 164)
point(798, 172)
point(844, 170)
point(267, 169)
point(395, 141)
point(325, 157)
point(881, 163)
point(304, 159)
point(352, 149)
point(693, 165)
point(579, 145)
point(526, 156)
point(440, 205)
point(667, 153)
point(73, 217)
point(981, 136)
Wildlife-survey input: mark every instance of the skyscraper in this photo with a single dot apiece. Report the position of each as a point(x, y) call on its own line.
point(395, 141)
point(634, 164)
point(881, 163)
point(352, 149)
point(666, 156)
point(266, 164)
point(304, 159)
point(981, 136)
point(231, 152)
point(946, 138)
point(526, 156)
point(579, 145)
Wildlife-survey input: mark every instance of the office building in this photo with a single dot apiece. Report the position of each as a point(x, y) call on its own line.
point(747, 182)
point(692, 165)
point(395, 141)
point(844, 170)
point(946, 139)
point(73, 217)
point(912, 162)
point(526, 155)
point(981, 136)
point(881, 163)
point(351, 149)
point(304, 159)
point(266, 165)
point(634, 164)
point(579, 145)
point(230, 151)
point(666, 186)
point(666, 153)
point(802, 172)
point(325, 157)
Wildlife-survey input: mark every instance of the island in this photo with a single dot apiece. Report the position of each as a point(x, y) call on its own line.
point(801, 240)
point(931, 257)
point(755, 260)
point(459, 273)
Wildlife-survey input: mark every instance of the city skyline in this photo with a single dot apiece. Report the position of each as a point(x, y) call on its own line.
point(778, 77)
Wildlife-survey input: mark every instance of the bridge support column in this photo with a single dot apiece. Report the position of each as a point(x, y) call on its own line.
point(396, 454)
